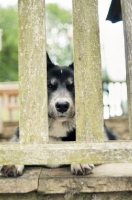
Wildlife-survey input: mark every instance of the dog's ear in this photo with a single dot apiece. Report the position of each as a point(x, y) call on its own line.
point(72, 66)
point(49, 63)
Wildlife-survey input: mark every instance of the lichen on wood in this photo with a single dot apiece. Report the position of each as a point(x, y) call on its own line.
point(32, 72)
point(88, 83)
point(40, 154)
point(127, 19)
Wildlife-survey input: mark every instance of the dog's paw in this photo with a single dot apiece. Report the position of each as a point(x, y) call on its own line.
point(11, 170)
point(81, 169)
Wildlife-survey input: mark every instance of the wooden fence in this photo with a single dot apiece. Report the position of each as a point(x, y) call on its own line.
point(8, 100)
point(114, 99)
point(90, 146)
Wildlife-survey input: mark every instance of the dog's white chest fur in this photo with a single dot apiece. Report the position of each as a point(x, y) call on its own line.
point(58, 130)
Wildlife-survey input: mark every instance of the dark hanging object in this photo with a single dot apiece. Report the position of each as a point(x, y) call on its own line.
point(114, 14)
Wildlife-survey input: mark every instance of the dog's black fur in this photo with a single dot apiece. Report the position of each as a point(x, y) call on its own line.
point(61, 115)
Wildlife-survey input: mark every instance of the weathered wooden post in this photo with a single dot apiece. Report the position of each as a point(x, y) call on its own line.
point(32, 72)
point(88, 82)
point(127, 19)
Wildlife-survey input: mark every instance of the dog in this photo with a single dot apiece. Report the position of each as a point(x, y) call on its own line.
point(61, 116)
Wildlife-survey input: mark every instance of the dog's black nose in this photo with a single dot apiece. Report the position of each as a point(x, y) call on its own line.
point(62, 106)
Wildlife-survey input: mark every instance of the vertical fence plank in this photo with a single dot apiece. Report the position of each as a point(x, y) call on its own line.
point(127, 19)
point(32, 72)
point(89, 108)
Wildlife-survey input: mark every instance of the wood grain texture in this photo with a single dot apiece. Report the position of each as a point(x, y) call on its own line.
point(88, 83)
point(32, 72)
point(30, 154)
point(127, 21)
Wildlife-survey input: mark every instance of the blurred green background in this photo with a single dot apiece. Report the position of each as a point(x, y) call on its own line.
point(58, 34)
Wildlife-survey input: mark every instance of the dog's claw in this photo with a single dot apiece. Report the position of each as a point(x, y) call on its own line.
point(81, 169)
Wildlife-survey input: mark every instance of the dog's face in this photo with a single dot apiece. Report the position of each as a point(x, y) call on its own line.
point(60, 83)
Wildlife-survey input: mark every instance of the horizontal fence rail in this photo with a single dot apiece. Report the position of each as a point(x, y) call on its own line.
point(66, 153)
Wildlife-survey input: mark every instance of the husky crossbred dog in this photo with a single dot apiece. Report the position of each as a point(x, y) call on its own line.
point(61, 116)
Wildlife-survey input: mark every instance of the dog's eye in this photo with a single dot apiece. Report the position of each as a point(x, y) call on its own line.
point(70, 86)
point(51, 87)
